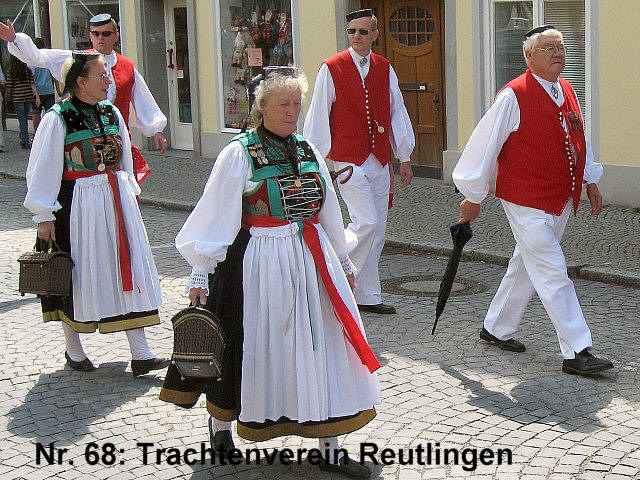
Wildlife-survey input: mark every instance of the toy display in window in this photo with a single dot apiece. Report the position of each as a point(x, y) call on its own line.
point(282, 53)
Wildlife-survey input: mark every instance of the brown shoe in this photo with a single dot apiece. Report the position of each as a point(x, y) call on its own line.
point(511, 345)
point(381, 308)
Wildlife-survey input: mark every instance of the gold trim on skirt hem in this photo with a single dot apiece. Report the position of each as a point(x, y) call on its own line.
point(107, 327)
point(331, 428)
point(221, 413)
point(179, 398)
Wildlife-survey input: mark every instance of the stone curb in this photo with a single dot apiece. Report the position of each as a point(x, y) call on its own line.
point(597, 274)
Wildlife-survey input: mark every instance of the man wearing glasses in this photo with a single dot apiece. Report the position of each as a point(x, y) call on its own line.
point(357, 111)
point(533, 137)
point(127, 84)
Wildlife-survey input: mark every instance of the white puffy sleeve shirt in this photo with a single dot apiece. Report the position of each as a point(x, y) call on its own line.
point(46, 166)
point(478, 163)
point(149, 117)
point(316, 126)
point(217, 217)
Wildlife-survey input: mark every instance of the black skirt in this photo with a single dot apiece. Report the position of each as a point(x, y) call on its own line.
point(224, 301)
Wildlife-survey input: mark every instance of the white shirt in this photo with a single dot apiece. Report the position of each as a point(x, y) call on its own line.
point(149, 117)
point(46, 165)
point(478, 163)
point(316, 124)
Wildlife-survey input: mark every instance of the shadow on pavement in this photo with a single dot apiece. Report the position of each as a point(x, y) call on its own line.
point(540, 399)
point(62, 406)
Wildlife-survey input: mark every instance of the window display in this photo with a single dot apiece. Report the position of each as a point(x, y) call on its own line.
point(78, 14)
point(255, 34)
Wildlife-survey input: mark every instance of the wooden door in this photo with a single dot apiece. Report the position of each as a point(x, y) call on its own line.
point(411, 39)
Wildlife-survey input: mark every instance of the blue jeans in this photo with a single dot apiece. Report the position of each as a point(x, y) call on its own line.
point(22, 110)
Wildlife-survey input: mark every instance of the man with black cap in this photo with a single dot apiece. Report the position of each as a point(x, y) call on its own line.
point(357, 111)
point(533, 137)
point(127, 85)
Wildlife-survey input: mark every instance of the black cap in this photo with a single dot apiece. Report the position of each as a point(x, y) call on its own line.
point(365, 12)
point(540, 29)
point(100, 19)
point(80, 58)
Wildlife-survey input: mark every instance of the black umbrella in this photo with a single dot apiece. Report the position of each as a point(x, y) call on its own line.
point(460, 234)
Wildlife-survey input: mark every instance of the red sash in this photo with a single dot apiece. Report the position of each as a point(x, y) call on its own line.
point(349, 326)
point(123, 243)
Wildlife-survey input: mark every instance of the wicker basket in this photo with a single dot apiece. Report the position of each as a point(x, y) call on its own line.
point(198, 343)
point(45, 273)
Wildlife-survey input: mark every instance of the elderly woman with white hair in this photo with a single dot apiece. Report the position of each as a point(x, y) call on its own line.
point(82, 192)
point(304, 366)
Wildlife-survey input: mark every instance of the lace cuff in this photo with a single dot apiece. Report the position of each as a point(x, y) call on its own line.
point(199, 278)
point(44, 217)
point(347, 265)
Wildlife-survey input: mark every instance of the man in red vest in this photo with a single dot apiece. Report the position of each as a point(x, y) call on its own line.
point(533, 137)
point(356, 113)
point(127, 85)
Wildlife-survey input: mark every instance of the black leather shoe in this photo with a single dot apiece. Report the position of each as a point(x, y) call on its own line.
point(83, 366)
point(140, 367)
point(585, 363)
point(510, 345)
point(380, 308)
point(347, 467)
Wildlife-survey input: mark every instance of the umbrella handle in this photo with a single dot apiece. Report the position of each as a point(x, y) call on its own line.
point(348, 169)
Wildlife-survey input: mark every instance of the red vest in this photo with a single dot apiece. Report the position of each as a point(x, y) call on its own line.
point(124, 78)
point(355, 129)
point(540, 165)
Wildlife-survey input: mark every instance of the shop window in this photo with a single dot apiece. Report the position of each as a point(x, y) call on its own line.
point(512, 19)
point(78, 14)
point(30, 17)
point(254, 34)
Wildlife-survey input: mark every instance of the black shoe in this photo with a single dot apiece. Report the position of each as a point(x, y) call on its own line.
point(140, 367)
point(221, 442)
point(83, 366)
point(510, 345)
point(585, 363)
point(347, 467)
point(380, 308)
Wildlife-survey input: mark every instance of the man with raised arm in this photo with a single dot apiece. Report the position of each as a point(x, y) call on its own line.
point(127, 85)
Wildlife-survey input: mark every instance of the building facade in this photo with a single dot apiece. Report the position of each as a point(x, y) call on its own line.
point(451, 56)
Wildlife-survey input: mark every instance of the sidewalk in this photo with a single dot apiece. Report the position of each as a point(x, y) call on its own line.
point(605, 248)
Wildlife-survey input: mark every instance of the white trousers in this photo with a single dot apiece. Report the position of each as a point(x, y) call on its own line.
point(366, 195)
point(538, 264)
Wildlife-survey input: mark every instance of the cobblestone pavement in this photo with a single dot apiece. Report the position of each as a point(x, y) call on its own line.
point(605, 248)
point(449, 390)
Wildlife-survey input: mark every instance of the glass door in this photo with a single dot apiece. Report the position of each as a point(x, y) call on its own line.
point(178, 75)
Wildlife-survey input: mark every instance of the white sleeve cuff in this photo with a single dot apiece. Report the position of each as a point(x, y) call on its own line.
point(199, 278)
point(44, 217)
point(347, 265)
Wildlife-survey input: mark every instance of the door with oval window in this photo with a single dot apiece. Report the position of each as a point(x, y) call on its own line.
point(411, 39)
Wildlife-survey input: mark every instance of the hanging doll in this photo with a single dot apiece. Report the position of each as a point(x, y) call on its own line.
point(238, 49)
point(281, 30)
point(256, 34)
point(232, 102)
point(267, 36)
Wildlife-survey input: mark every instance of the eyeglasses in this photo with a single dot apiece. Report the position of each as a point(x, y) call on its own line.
point(361, 31)
point(554, 48)
point(106, 34)
point(102, 76)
